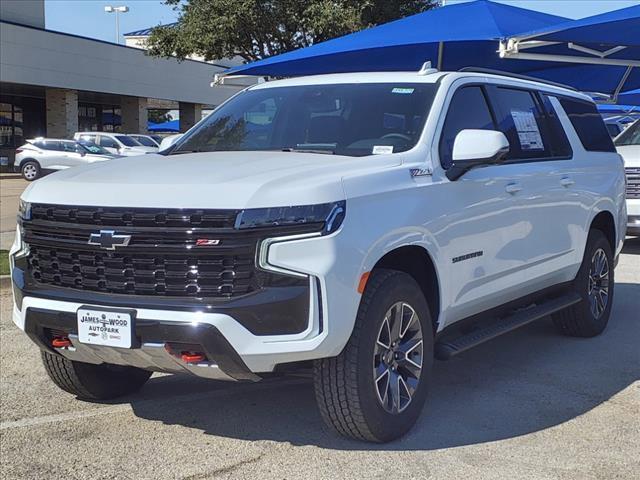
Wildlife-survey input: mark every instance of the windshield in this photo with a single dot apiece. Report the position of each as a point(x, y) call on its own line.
point(147, 142)
point(345, 119)
point(127, 141)
point(631, 136)
point(93, 148)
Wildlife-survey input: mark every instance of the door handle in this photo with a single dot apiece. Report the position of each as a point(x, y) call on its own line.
point(566, 182)
point(513, 188)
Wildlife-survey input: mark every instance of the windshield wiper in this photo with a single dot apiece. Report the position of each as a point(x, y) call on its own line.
point(309, 150)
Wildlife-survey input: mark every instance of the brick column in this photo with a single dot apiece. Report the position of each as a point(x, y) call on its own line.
point(190, 114)
point(134, 114)
point(62, 112)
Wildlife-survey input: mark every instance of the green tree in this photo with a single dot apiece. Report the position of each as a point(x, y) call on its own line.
point(159, 116)
point(255, 29)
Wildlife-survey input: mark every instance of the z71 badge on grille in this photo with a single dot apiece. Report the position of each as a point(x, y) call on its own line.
point(206, 242)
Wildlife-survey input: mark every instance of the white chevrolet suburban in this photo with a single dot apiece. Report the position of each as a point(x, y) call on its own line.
point(360, 224)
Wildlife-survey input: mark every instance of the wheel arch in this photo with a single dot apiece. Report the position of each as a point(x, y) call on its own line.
point(28, 159)
point(605, 222)
point(416, 261)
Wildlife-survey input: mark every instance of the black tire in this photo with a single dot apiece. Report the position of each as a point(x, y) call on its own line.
point(30, 170)
point(93, 382)
point(344, 385)
point(580, 320)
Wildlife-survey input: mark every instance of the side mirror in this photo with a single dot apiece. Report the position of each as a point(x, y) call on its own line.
point(473, 148)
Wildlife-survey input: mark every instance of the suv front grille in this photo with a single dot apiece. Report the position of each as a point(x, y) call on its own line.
point(633, 182)
point(162, 257)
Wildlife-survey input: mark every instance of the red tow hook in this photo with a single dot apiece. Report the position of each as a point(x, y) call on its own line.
point(61, 342)
point(193, 357)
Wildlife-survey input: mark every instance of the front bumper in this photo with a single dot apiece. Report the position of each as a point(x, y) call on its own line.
point(159, 346)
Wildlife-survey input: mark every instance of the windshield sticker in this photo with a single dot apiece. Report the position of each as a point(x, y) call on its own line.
point(528, 131)
point(403, 91)
point(382, 149)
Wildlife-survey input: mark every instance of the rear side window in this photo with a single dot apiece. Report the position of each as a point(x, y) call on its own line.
point(588, 124)
point(523, 122)
point(52, 145)
point(468, 110)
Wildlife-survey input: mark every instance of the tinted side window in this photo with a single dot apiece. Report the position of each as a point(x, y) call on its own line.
point(468, 110)
point(588, 124)
point(108, 142)
point(559, 143)
point(52, 145)
point(521, 120)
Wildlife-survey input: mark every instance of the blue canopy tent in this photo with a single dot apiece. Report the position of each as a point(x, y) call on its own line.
point(450, 37)
point(596, 54)
point(469, 34)
point(630, 98)
point(170, 126)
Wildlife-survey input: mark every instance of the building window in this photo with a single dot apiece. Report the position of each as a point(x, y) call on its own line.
point(11, 127)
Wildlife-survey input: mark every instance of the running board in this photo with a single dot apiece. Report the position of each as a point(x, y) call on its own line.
point(446, 349)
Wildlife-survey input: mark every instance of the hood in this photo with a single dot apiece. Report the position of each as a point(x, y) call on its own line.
point(205, 180)
point(630, 154)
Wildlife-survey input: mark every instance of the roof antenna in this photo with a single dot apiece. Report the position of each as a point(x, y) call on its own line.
point(426, 68)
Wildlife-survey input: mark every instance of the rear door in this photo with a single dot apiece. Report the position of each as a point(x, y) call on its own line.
point(52, 156)
point(541, 158)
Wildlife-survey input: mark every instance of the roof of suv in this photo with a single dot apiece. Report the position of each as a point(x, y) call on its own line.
point(413, 77)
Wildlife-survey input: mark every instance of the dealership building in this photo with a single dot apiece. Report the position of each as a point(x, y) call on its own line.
point(54, 84)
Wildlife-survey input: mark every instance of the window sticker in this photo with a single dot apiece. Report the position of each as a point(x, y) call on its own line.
point(382, 149)
point(528, 131)
point(403, 91)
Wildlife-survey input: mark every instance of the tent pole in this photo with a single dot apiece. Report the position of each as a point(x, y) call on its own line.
point(440, 51)
point(626, 74)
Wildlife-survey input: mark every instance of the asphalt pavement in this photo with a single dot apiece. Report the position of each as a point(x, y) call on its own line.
point(529, 405)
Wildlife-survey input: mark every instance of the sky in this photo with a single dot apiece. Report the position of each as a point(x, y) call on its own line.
point(88, 18)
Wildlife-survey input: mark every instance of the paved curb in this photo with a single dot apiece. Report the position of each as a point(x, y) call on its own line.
point(12, 176)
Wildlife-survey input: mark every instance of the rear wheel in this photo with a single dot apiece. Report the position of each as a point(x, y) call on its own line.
point(93, 382)
point(376, 388)
point(595, 284)
point(30, 170)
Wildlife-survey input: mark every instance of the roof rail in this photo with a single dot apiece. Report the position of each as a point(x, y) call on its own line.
point(516, 75)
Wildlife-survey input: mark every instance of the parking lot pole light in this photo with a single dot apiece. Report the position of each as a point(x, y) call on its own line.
point(117, 11)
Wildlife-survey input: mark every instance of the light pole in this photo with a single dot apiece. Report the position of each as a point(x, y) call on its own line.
point(117, 11)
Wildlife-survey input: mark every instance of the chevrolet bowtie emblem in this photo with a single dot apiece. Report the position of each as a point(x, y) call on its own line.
point(109, 240)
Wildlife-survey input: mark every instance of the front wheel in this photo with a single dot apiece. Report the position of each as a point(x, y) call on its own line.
point(595, 284)
point(93, 382)
point(376, 388)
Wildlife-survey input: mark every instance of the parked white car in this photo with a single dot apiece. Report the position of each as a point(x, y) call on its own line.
point(40, 155)
point(116, 143)
point(628, 145)
point(359, 224)
point(146, 140)
point(169, 140)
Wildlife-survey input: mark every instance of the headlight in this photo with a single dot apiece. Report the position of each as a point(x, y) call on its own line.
point(328, 216)
point(24, 210)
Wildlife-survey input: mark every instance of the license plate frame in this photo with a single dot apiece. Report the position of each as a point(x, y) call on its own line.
point(114, 327)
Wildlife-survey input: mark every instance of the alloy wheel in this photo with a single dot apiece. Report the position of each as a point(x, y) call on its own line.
point(398, 357)
point(598, 289)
